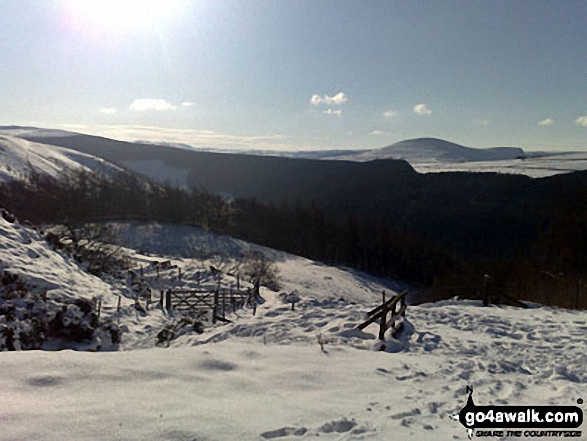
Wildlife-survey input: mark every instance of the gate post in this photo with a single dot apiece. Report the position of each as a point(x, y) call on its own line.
point(168, 301)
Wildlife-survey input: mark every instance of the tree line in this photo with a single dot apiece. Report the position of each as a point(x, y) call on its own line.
point(550, 268)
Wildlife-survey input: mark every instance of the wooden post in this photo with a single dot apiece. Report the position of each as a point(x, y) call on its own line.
point(99, 307)
point(157, 270)
point(232, 301)
point(383, 321)
point(238, 282)
point(168, 301)
point(161, 300)
point(223, 303)
point(179, 272)
point(255, 294)
point(118, 306)
point(215, 308)
point(141, 270)
point(486, 299)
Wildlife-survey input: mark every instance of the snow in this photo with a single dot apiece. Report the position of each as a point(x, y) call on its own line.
point(255, 388)
point(534, 166)
point(24, 252)
point(17, 156)
point(436, 150)
point(281, 373)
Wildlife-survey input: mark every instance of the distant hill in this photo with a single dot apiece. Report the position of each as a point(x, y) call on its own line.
point(264, 177)
point(486, 213)
point(423, 150)
point(20, 159)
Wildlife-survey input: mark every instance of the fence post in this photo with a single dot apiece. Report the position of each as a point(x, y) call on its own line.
point(383, 322)
point(168, 301)
point(223, 303)
point(486, 299)
point(157, 270)
point(255, 294)
point(99, 307)
point(215, 309)
point(118, 306)
point(179, 269)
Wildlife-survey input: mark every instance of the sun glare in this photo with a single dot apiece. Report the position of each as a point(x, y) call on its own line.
point(117, 17)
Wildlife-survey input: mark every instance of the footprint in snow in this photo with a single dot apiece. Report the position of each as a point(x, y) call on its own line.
point(284, 431)
point(45, 381)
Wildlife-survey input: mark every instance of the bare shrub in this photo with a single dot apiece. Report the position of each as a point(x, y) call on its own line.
point(259, 269)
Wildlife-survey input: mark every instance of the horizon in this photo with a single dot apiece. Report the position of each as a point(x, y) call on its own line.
point(294, 76)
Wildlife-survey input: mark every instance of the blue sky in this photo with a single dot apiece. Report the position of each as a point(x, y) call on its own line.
point(304, 74)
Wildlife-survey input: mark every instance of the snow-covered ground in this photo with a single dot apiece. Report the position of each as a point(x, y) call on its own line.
point(279, 374)
point(20, 158)
point(533, 166)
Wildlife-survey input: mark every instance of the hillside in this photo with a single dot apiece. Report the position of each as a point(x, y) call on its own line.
point(19, 159)
point(472, 213)
point(288, 374)
point(423, 150)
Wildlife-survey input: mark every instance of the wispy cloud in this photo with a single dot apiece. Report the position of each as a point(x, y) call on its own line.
point(375, 133)
point(188, 104)
point(422, 110)
point(336, 112)
point(107, 110)
point(389, 113)
point(335, 100)
point(146, 104)
point(582, 121)
point(193, 137)
point(481, 122)
point(546, 122)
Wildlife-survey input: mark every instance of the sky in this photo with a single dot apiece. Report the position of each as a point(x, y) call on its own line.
point(299, 75)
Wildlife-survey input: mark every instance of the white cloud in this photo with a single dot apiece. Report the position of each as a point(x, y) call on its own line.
point(546, 122)
point(376, 133)
point(336, 100)
point(107, 110)
point(421, 109)
point(336, 112)
point(188, 104)
point(389, 113)
point(145, 104)
point(582, 121)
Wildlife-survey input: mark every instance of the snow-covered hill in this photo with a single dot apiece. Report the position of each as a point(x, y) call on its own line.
point(279, 374)
point(20, 158)
point(436, 150)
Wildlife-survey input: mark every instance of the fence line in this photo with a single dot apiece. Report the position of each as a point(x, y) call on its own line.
point(381, 312)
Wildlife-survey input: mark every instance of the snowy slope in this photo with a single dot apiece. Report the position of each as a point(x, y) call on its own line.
point(24, 252)
point(255, 388)
point(436, 150)
point(19, 158)
point(534, 166)
point(266, 376)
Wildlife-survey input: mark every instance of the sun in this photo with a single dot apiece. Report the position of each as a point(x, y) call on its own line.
point(119, 17)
